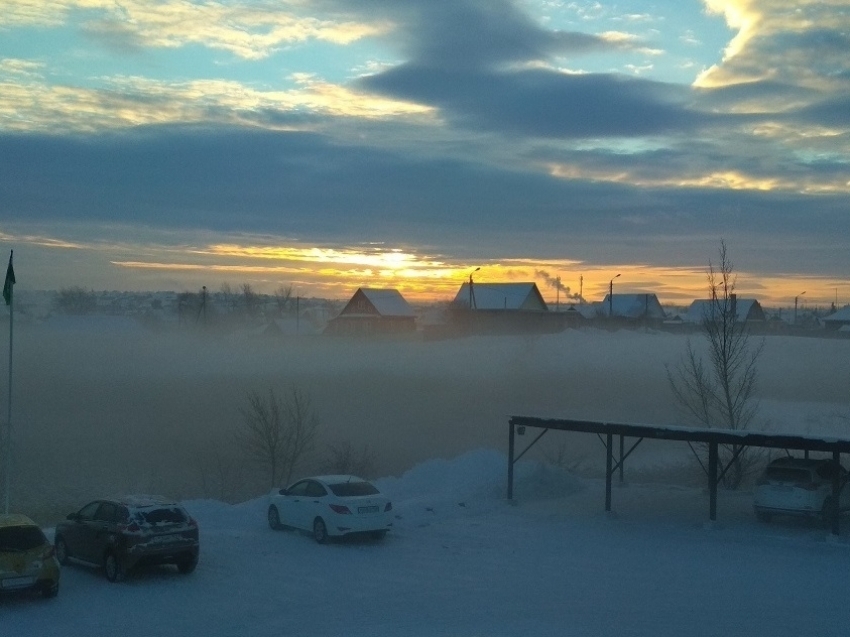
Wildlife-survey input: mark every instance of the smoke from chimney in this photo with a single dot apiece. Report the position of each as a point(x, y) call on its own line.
point(554, 282)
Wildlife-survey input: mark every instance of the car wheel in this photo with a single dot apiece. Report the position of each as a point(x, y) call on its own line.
point(826, 511)
point(320, 531)
point(50, 590)
point(274, 518)
point(115, 571)
point(61, 550)
point(188, 564)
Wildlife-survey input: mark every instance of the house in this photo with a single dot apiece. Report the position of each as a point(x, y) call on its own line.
point(374, 311)
point(500, 296)
point(642, 306)
point(838, 320)
point(502, 308)
point(745, 310)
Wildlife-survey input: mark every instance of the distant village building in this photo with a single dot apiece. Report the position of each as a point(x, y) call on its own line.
point(642, 306)
point(839, 321)
point(500, 296)
point(501, 308)
point(374, 311)
point(745, 310)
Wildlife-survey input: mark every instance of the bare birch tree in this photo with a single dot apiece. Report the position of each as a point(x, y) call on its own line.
point(720, 391)
point(278, 431)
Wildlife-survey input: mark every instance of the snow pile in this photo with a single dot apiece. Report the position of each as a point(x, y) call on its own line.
point(475, 480)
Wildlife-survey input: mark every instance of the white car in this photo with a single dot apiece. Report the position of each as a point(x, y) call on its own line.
point(799, 486)
point(331, 506)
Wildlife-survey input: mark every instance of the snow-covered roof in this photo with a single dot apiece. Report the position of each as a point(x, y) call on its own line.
point(388, 302)
point(745, 309)
point(384, 301)
point(501, 296)
point(643, 305)
point(840, 316)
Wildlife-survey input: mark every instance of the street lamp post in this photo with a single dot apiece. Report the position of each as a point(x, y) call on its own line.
point(796, 298)
point(471, 293)
point(611, 297)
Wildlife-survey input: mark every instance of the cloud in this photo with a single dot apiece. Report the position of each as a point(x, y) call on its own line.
point(542, 102)
point(34, 105)
point(473, 34)
point(798, 42)
point(306, 185)
point(246, 29)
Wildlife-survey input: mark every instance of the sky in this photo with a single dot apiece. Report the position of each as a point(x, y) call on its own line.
point(334, 144)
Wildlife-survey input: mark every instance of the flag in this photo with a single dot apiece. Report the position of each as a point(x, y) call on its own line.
point(10, 281)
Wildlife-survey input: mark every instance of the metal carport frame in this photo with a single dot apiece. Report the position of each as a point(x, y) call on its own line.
point(711, 437)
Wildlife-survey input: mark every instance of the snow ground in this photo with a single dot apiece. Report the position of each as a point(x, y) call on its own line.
point(462, 561)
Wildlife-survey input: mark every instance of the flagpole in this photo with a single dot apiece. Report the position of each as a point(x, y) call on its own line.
point(9, 297)
point(8, 461)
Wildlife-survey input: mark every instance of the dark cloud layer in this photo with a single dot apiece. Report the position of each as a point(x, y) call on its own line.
point(544, 103)
point(307, 186)
point(470, 34)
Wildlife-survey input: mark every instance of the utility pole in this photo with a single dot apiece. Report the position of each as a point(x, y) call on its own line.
point(611, 297)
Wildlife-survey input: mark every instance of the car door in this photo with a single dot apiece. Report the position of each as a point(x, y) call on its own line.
point(78, 530)
point(292, 506)
point(102, 532)
point(316, 505)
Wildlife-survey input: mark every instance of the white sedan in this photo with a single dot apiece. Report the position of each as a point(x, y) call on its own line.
point(331, 506)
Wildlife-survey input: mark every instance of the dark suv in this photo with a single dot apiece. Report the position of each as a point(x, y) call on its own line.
point(123, 533)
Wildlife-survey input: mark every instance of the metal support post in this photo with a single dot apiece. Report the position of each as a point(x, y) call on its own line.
point(836, 493)
point(510, 462)
point(609, 458)
point(622, 438)
point(712, 481)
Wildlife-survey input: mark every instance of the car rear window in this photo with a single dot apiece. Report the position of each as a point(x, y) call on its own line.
point(164, 515)
point(21, 538)
point(348, 489)
point(789, 474)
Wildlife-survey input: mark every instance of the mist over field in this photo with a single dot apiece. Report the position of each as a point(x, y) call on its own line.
point(102, 409)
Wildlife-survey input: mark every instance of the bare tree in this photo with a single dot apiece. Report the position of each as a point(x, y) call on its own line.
point(277, 432)
point(76, 300)
point(720, 392)
point(344, 459)
point(221, 472)
point(229, 297)
point(283, 298)
point(250, 298)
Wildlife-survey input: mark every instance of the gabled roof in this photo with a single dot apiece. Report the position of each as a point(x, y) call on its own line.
point(840, 316)
point(642, 305)
point(501, 296)
point(383, 302)
point(745, 309)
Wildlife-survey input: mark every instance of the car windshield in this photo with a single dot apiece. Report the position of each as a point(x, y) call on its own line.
point(164, 515)
point(348, 489)
point(788, 474)
point(21, 538)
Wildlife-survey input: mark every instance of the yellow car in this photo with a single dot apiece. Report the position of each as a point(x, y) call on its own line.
point(27, 561)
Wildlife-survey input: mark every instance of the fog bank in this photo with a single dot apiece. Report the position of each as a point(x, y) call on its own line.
point(107, 410)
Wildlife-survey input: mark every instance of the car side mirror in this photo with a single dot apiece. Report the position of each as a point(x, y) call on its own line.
point(283, 492)
point(74, 516)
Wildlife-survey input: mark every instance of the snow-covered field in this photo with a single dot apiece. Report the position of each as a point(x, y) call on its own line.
point(107, 411)
point(462, 561)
